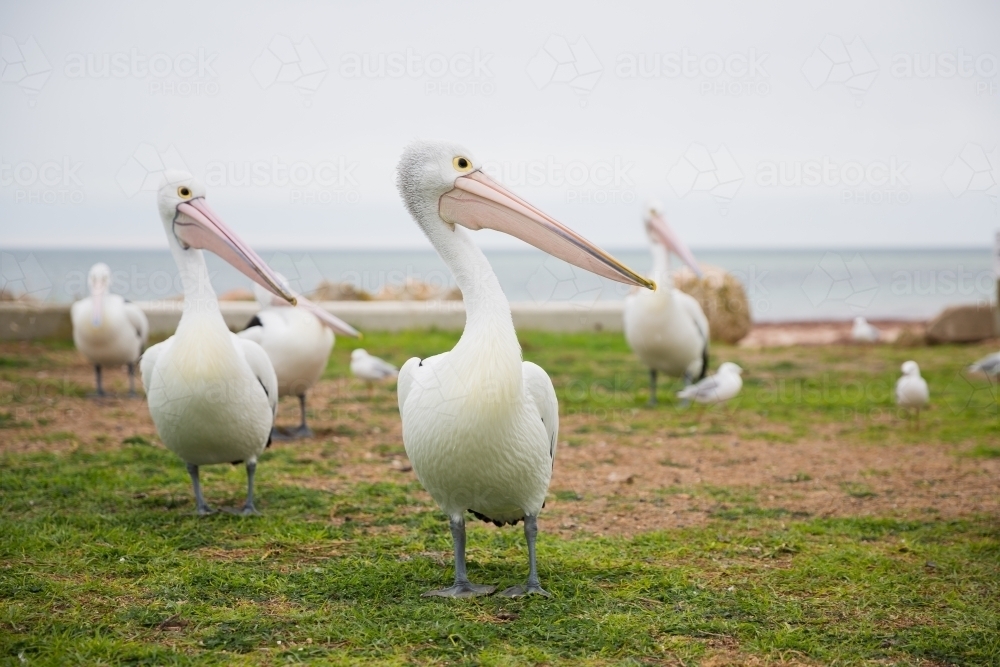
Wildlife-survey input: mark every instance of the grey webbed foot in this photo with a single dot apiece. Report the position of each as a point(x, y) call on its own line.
point(300, 432)
point(525, 589)
point(205, 510)
point(462, 590)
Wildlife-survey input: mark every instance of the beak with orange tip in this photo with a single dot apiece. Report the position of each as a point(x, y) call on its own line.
point(479, 202)
point(196, 225)
point(669, 238)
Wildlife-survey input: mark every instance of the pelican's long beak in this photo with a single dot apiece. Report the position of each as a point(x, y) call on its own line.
point(338, 325)
point(197, 226)
point(477, 201)
point(669, 238)
point(97, 299)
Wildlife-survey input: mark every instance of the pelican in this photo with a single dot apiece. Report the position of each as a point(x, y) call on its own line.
point(715, 389)
point(298, 341)
point(479, 425)
point(667, 329)
point(212, 394)
point(911, 389)
point(988, 365)
point(107, 329)
point(371, 369)
point(863, 332)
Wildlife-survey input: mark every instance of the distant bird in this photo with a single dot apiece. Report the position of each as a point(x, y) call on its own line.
point(715, 389)
point(911, 389)
point(480, 425)
point(988, 365)
point(863, 332)
point(667, 329)
point(371, 369)
point(298, 340)
point(212, 395)
point(107, 329)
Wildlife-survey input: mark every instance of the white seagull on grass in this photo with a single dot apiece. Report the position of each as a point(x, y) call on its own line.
point(911, 389)
point(715, 389)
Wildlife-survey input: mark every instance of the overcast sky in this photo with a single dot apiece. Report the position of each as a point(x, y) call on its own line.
point(856, 124)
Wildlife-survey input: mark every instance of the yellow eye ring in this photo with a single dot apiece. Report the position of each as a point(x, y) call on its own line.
point(184, 192)
point(462, 163)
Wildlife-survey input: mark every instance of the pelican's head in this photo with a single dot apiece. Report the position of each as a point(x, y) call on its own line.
point(661, 233)
point(442, 184)
point(730, 367)
point(910, 368)
point(191, 224)
point(99, 282)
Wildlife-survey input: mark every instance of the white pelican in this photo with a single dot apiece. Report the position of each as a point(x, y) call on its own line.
point(863, 332)
point(371, 369)
point(212, 395)
point(108, 330)
point(667, 329)
point(718, 388)
point(911, 389)
point(298, 340)
point(479, 425)
point(988, 365)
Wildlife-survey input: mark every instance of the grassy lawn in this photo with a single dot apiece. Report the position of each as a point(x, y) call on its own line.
point(103, 562)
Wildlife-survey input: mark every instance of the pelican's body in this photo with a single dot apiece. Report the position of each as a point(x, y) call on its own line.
point(211, 394)
point(719, 388)
point(911, 389)
point(863, 332)
point(988, 365)
point(666, 328)
point(108, 330)
point(480, 425)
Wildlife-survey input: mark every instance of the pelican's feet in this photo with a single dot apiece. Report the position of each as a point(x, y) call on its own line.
point(525, 589)
point(463, 590)
point(205, 510)
point(248, 510)
point(651, 403)
point(300, 432)
point(98, 395)
point(277, 434)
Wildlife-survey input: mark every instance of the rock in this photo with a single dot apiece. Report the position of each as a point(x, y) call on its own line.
point(962, 324)
point(416, 290)
point(723, 299)
point(327, 291)
point(238, 294)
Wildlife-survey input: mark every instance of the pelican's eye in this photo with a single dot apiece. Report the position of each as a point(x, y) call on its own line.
point(184, 192)
point(462, 164)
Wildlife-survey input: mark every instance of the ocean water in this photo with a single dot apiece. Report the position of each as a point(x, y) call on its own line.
point(781, 285)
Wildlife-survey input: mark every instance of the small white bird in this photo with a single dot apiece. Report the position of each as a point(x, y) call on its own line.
point(212, 395)
point(298, 340)
point(715, 389)
point(108, 330)
point(863, 332)
point(667, 329)
point(371, 369)
point(911, 389)
point(480, 425)
point(988, 365)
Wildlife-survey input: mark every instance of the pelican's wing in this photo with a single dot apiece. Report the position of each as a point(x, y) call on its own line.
point(268, 322)
point(262, 367)
point(538, 386)
point(690, 305)
point(405, 381)
point(147, 362)
point(138, 320)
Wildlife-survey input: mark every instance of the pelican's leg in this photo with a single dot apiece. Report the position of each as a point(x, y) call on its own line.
point(199, 501)
point(462, 587)
point(652, 389)
point(131, 381)
point(251, 470)
point(533, 585)
point(100, 385)
point(303, 431)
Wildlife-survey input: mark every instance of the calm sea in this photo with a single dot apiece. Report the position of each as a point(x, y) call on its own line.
point(781, 285)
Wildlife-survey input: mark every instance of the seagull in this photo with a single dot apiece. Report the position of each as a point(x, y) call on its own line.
point(212, 395)
point(911, 389)
point(298, 341)
point(479, 425)
point(718, 388)
point(667, 329)
point(863, 332)
point(988, 365)
point(371, 369)
point(107, 329)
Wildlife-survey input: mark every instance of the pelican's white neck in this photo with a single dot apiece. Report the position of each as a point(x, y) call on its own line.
point(199, 297)
point(661, 267)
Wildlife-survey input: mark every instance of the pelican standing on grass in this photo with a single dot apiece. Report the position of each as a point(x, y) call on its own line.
point(298, 340)
point(108, 330)
point(371, 369)
point(212, 395)
point(479, 424)
point(911, 389)
point(667, 328)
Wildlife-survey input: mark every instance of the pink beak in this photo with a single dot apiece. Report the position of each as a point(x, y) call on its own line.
point(332, 321)
point(197, 226)
point(97, 299)
point(669, 238)
point(478, 202)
